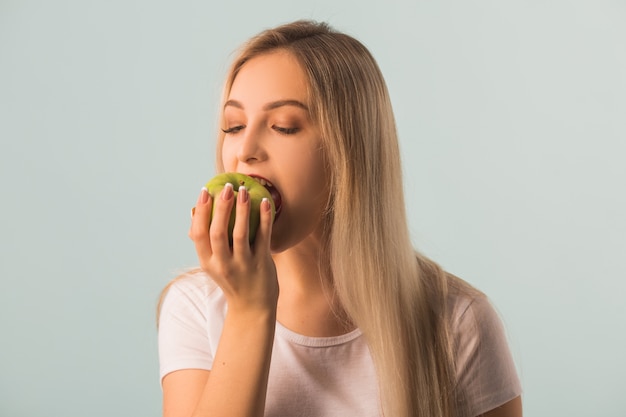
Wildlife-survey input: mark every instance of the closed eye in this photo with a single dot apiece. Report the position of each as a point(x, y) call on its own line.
point(233, 129)
point(285, 130)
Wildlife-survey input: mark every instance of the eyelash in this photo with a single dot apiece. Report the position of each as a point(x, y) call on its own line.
point(286, 130)
point(283, 130)
point(233, 129)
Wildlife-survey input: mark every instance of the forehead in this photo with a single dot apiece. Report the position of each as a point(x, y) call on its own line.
point(269, 77)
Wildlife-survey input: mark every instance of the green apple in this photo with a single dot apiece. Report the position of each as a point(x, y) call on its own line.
point(256, 191)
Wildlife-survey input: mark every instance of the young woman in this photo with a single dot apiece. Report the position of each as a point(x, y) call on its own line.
point(330, 312)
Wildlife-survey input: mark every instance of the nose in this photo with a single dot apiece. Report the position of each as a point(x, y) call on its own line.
point(251, 148)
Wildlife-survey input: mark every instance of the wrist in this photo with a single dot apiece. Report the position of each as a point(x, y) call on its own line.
point(251, 316)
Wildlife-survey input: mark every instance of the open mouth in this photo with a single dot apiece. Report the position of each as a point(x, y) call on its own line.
point(273, 192)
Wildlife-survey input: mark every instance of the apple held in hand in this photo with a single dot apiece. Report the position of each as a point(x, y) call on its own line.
point(256, 192)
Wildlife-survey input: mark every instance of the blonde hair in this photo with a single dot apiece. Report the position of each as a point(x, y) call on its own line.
point(397, 297)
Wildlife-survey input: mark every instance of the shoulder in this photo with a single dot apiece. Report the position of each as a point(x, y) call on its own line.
point(472, 313)
point(470, 309)
point(485, 371)
point(194, 281)
point(191, 317)
point(191, 295)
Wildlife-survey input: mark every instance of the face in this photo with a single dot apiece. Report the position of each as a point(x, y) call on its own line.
point(270, 134)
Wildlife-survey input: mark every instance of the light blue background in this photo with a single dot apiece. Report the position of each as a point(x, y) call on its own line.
point(512, 118)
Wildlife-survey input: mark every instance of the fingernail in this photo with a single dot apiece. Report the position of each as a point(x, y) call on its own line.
point(227, 192)
point(243, 194)
point(193, 211)
point(204, 196)
point(265, 203)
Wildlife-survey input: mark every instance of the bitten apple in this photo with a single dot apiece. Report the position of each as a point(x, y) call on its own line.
point(256, 191)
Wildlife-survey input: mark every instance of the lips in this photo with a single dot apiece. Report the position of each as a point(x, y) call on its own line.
point(273, 192)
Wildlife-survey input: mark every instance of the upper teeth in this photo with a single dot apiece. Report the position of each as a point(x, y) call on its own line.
point(264, 182)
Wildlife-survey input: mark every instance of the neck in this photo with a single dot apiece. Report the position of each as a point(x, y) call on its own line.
point(299, 266)
point(307, 303)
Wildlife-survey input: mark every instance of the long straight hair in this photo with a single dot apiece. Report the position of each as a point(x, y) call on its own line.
point(396, 296)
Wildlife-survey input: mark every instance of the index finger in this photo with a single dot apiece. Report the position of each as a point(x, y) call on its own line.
point(200, 222)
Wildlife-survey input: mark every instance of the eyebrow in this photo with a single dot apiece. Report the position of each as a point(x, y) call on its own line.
point(270, 106)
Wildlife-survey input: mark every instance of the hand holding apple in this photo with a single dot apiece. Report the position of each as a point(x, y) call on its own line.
point(256, 191)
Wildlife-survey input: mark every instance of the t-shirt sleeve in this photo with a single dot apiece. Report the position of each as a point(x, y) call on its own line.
point(486, 373)
point(184, 336)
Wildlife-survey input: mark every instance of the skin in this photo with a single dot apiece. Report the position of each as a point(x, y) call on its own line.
point(512, 408)
point(270, 134)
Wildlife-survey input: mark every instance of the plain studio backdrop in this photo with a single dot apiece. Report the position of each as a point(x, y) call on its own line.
point(512, 121)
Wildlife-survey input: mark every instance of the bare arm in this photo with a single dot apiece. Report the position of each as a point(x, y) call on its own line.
point(512, 408)
point(182, 391)
point(237, 384)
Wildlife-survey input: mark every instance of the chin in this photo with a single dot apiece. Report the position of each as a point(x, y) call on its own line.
point(307, 240)
point(278, 245)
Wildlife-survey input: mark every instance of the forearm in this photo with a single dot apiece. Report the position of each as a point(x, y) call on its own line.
point(237, 384)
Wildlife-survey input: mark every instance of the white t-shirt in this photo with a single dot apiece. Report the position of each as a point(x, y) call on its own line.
point(332, 376)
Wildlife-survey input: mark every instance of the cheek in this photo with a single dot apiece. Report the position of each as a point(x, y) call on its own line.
point(319, 175)
point(312, 182)
point(229, 157)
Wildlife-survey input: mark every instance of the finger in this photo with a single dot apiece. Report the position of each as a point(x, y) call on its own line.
point(199, 232)
point(218, 232)
point(241, 231)
point(193, 211)
point(264, 234)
